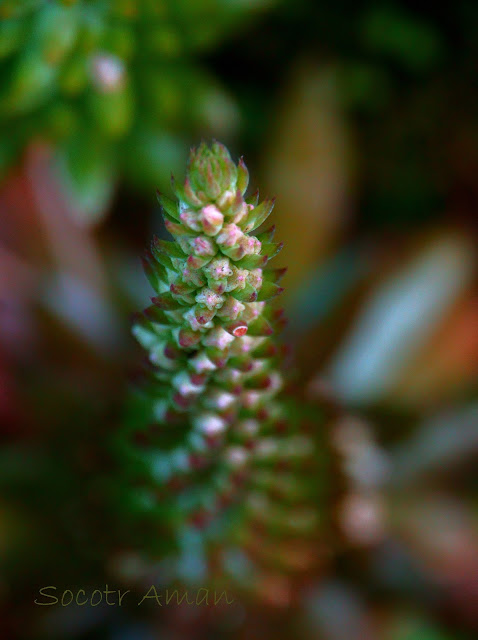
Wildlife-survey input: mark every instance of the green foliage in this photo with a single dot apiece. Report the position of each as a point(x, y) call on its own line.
point(120, 73)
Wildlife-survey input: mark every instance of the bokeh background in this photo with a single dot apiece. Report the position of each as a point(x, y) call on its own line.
point(362, 119)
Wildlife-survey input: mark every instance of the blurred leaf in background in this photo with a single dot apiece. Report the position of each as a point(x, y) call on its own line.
point(309, 168)
point(383, 355)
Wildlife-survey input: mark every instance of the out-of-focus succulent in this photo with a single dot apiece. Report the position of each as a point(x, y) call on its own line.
point(212, 452)
point(112, 84)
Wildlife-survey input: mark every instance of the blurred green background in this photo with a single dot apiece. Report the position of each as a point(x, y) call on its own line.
point(362, 119)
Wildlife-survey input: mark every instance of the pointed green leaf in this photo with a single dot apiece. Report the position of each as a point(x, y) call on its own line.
point(176, 229)
point(243, 363)
point(254, 198)
point(170, 208)
point(274, 275)
point(156, 315)
point(266, 350)
point(252, 262)
point(167, 302)
point(242, 176)
point(151, 273)
point(271, 249)
point(167, 248)
point(248, 294)
point(258, 215)
point(267, 235)
point(260, 327)
point(269, 290)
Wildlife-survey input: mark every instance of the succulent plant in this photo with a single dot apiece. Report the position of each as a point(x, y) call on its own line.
point(213, 444)
point(112, 84)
